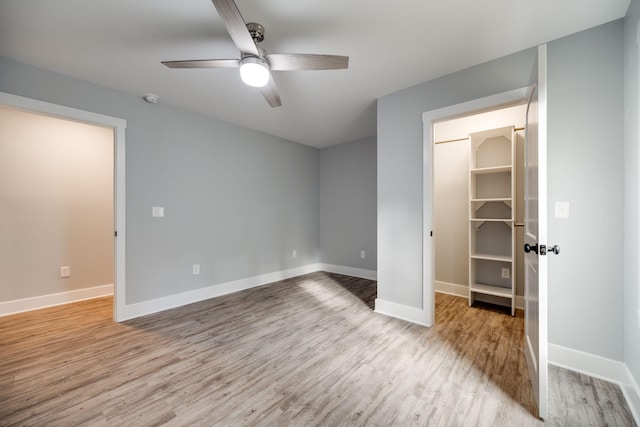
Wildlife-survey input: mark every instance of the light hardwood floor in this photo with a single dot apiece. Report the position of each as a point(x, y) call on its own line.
point(308, 351)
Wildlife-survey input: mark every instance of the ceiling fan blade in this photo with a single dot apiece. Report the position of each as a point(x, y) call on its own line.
point(236, 26)
point(303, 61)
point(270, 93)
point(204, 63)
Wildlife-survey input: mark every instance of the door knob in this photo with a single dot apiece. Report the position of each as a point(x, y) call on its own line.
point(528, 248)
point(555, 249)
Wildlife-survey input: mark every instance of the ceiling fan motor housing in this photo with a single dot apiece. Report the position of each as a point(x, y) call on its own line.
point(256, 30)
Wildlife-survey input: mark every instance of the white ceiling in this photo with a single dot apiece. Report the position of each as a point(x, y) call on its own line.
point(392, 45)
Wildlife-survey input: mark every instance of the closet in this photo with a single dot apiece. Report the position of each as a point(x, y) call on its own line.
point(478, 207)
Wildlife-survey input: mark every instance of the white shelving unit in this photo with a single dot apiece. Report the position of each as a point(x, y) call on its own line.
point(491, 216)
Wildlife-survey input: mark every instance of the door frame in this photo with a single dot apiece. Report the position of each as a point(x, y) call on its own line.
point(118, 125)
point(480, 105)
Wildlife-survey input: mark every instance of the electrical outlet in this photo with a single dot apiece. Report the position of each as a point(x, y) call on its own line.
point(294, 253)
point(196, 269)
point(362, 254)
point(157, 211)
point(65, 271)
point(505, 273)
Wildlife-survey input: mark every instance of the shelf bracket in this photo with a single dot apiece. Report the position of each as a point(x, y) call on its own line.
point(478, 225)
point(480, 206)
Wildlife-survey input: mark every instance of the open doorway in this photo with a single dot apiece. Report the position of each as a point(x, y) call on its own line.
point(478, 160)
point(535, 212)
point(478, 210)
point(63, 199)
point(489, 103)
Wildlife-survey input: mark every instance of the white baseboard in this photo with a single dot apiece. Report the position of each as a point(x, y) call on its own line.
point(350, 271)
point(451, 289)
point(463, 291)
point(403, 312)
point(631, 391)
point(599, 367)
point(131, 311)
point(44, 301)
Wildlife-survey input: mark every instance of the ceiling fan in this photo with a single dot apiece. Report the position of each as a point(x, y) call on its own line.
point(255, 63)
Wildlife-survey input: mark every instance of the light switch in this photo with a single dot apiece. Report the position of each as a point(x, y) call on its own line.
point(562, 209)
point(157, 211)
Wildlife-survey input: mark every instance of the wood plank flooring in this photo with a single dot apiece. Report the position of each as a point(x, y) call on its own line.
point(308, 351)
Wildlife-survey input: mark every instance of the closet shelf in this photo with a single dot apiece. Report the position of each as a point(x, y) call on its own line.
point(492, 169)
point(491, 290)
point(476, 223)
point(494, 199)
point(492, 257)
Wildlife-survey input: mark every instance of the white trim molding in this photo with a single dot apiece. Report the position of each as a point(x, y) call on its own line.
point(130, 311)
point(350, 271)
point(51, 300)
point(599, 367)
point(631, 391)
point(403, 312)
point(143, 308)
point(451, 289)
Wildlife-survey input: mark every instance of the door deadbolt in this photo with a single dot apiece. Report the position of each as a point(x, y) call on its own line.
point(555, 249)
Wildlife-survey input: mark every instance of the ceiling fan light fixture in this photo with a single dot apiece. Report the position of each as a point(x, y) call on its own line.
point(254, 71)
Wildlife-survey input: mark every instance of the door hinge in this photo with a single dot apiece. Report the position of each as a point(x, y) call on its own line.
point(116, 233)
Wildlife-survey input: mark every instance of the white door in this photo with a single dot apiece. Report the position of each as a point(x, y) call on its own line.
point(535, 238)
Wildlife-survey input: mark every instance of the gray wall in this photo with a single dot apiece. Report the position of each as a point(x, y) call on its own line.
point(236, 201)
point(632, 191)
point(593, 103)
point(348, 204)
point(585, 158)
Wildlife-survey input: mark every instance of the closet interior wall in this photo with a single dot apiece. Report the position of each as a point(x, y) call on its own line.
point(451, 198)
